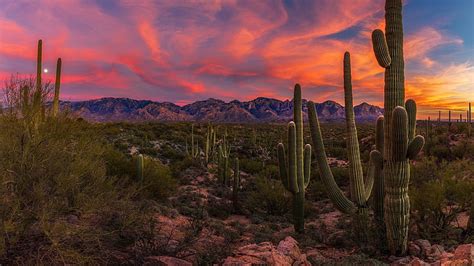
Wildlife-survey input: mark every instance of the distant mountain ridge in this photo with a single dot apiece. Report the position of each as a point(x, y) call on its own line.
point(258, 110)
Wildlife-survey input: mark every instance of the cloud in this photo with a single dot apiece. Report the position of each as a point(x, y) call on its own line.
point(182, 51)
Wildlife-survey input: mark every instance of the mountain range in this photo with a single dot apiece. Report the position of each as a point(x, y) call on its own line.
point(258, 110)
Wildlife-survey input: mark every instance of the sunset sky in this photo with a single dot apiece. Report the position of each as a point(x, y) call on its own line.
point(186, 50)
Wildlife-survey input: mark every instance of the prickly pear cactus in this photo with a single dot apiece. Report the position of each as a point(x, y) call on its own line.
point(295, 172)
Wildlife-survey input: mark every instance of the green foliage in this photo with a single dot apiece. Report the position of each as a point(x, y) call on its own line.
point(267, 196)
point(441, 191)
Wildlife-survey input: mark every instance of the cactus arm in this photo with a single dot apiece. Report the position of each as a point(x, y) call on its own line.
point(335, 193)
point(380, 47)
point(353, 152)
point(399, 141)
point(307, 165)
point(57, 86)
point(415, 147)
point(410, 107)
point(369, 180)
point(282, 163)
point(292, 158)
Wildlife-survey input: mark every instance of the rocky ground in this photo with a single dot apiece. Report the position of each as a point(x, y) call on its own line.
point(236, 239)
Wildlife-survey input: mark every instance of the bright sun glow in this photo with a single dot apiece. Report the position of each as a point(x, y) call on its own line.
point(45, 70)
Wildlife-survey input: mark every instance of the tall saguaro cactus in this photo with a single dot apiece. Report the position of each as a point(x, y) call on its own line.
point(400, 145)
point(57, 86)
point(223, 162)
point(360, 189)
point(295, 172)
point(469, 120)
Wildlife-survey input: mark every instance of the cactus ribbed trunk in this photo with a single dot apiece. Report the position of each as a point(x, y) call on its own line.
point(400, 143)
point(298, 199)
point(356, 175)
point(39, 66)
point(57, 86)
point(379, 191)
point(394, 90)
point(296, 173)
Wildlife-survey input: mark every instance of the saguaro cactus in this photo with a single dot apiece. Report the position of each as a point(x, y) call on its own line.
point(449, 120)
point(469, 120)
point(140, 164)
point(360, 189)
point(400, 145)
point(295, 172)
point(56, 88)
point(223, 163)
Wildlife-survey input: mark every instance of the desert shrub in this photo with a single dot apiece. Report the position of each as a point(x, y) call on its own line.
point(268, 196)
point(57, 203)
point(437, 201)
point(250, 166)
point(158, 183)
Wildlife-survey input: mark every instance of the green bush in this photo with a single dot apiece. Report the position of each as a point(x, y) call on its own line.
point(268, 196)
point(56, 201)
point(440, 193)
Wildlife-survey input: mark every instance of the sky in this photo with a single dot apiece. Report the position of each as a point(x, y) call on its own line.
point(187, 50)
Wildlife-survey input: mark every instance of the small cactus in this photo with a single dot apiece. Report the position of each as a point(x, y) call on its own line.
point(223, 162)
point(295, 172)
point(140, 165)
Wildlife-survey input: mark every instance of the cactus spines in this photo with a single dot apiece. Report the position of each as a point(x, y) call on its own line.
point(295, 172)
point(380, 48)
point(140, 164)
point(57, 86)
point(236, 185)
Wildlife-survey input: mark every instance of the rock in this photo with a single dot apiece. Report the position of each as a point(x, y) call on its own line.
point(464, 252)
point(287, 253)
point(435, 252)
point(414, 249)
point(424, 245)
point(166, 261)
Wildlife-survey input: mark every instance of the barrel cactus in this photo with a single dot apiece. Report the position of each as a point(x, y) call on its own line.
point(295, 172)
point(400, 144)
